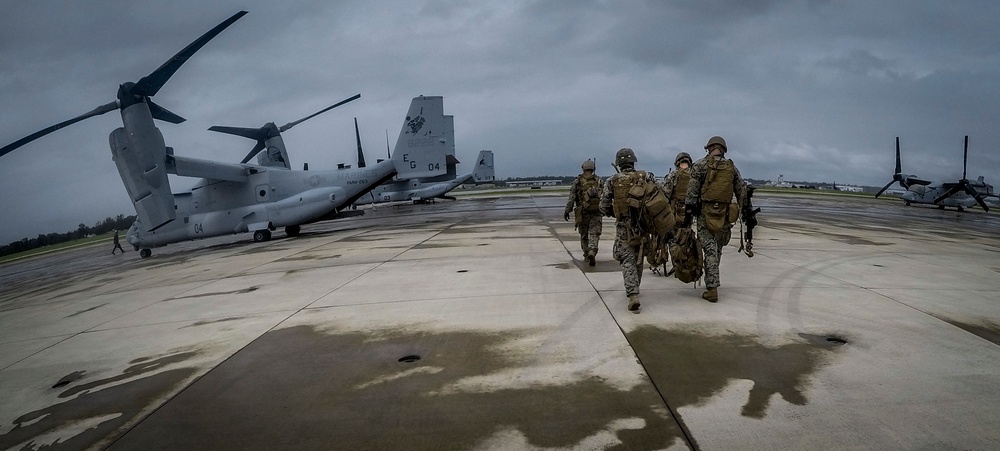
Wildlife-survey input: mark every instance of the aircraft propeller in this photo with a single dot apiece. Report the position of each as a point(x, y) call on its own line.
point(897, 177)
point(130, 93)
point(270, 130)
point(963, 184)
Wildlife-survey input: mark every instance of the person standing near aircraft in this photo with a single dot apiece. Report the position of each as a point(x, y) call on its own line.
point(714, 182)
point(584, 203)
point(675, 186)
point(118, 244)
point(628, 246)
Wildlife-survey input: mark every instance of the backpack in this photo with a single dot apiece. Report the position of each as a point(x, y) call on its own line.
point(589, 193)
point(645, 203)
point(686, 255)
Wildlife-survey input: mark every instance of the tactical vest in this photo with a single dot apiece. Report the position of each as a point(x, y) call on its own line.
point(718, 184)
point(588, 193)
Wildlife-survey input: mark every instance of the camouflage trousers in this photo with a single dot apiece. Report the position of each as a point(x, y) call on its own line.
point(590, 232)
point(712, 244)
point(630, 258)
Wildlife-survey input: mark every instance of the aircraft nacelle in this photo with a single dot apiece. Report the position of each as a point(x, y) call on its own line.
point(140, 156)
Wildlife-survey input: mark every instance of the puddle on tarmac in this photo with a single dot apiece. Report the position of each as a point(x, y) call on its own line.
point(990, 331)
point(87, 310)
point(217, 293)
point(690, 367)
point(120, 398)
point(312, 389)
point(214, 321)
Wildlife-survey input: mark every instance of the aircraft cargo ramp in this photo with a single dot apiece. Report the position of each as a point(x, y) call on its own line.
point(475, 324)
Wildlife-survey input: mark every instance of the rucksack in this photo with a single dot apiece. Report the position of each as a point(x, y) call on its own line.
point(686, 255)
point(645, 203)
point(589, 193)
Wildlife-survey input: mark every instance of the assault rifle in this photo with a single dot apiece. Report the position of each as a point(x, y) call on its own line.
point(749, 218)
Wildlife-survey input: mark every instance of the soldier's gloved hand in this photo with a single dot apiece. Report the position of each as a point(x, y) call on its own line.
point(565, 216)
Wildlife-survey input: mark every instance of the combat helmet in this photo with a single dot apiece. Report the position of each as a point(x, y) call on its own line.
point(589, 165)
point(625, 157)
point(681, 157)
point(717, 140)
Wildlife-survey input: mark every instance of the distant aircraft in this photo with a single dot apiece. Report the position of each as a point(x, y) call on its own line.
point(234, 198)
point(420, 191)
point(961, 194)
point(423, 190)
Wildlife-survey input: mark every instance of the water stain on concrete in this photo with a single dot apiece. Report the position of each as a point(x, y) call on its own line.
point(689, 368)
point(989, 330)
point(87, 310)
point(214, 321)
point(69, 378)
point(320, 396)
point(120, 399)
point(308, 257)
point(217, 293)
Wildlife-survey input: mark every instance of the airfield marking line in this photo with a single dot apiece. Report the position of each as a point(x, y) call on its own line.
point(688, 436)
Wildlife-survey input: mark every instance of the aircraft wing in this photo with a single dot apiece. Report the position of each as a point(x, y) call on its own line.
point(217, 170)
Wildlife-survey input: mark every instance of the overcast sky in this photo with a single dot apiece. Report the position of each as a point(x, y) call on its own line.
point(814, 90)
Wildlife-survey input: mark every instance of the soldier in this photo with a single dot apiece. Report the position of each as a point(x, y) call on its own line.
point(118, 244)
point(714, 182)
point(584, 202)
point(675, 186)
point(628, 246)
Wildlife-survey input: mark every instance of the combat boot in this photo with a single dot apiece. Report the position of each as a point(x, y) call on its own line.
point(633, 303)
point(591, 259)
point(711, 295)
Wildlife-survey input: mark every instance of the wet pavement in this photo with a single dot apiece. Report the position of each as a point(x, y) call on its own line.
point(474, 324)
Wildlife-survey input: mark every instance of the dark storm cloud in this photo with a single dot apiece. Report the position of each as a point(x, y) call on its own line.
point(814, 90)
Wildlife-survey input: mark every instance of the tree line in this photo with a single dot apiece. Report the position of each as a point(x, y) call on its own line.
point(120, 222)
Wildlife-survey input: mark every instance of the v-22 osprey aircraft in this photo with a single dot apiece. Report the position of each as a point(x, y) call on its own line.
point(961, 194)
point(235, 198)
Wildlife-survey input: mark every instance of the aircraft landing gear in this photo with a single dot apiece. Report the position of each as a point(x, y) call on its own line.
point(145, 253)
point(293, 230)
point(262, 235)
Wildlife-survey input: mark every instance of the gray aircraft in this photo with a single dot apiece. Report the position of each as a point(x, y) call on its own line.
point(961, 194)
point(235, 198)
point(423, 191)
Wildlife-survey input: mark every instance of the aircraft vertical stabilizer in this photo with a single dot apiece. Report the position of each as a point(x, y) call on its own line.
point(422, 145)
point(483, 173)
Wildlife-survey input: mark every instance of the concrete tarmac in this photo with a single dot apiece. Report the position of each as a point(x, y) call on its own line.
point(475, 324)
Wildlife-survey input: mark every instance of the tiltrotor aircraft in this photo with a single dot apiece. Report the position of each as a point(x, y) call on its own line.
point(424, 190)
point(235, 198)
point(961, 194)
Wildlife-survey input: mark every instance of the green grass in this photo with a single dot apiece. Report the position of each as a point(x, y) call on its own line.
point(107, 237)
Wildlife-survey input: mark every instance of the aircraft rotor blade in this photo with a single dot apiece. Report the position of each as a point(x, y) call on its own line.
point(965, 157)
point(149, 85)
point(163, 114)
point(899, 167)
point(951, 192)
point(253, 152)
point(887, 185)
point(975, 194)
point(256, 134)
point(45, 131)
point(292, 124)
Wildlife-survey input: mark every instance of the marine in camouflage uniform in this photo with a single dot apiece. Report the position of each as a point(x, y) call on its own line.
point(584, 195)
point(675, 186)
point(698, 202)
point(628, 254)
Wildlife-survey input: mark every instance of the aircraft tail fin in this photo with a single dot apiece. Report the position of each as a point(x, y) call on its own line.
point(483, 173)
point(422, 145)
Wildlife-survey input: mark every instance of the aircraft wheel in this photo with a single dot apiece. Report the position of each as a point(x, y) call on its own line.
point(906, 203)
point(145, 253)
point(262, 235)
point(293, 230)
